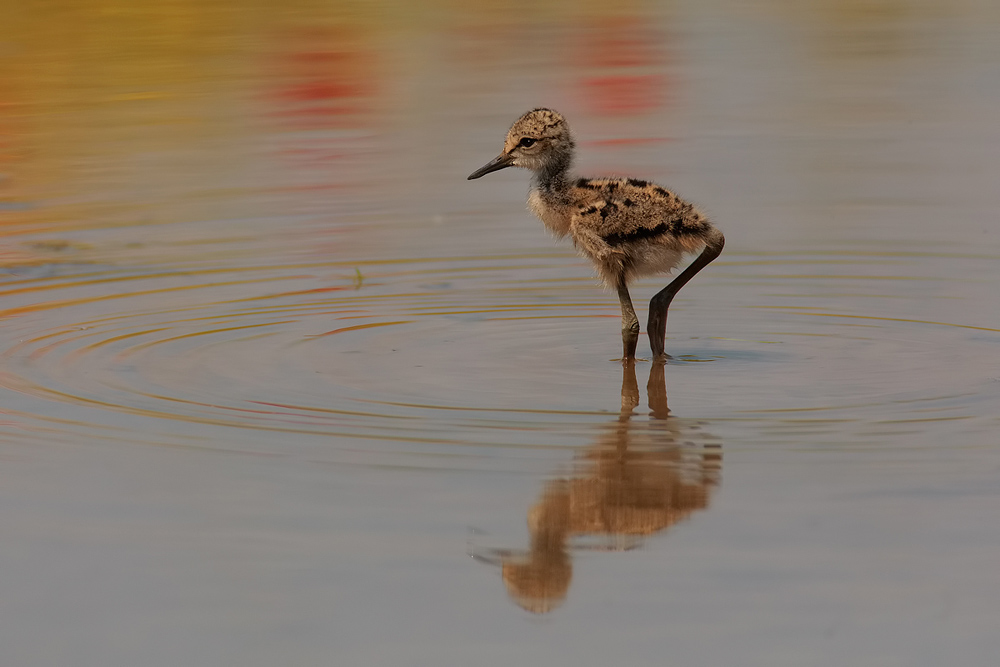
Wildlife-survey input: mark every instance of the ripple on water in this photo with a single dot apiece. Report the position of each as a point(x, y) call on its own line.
point(468, 357)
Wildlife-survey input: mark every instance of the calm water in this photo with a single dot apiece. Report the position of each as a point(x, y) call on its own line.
point(279, 386)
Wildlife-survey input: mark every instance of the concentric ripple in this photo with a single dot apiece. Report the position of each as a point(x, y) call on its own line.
point(449, 361)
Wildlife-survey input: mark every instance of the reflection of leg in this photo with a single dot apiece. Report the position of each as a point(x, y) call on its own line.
point(630, 323)
point(656, 328)
point(630, 389)
point(656, 390)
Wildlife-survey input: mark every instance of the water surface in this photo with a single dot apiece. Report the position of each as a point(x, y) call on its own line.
point(279, 386)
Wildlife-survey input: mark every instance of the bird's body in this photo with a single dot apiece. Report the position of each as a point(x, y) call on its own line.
point(627, 227)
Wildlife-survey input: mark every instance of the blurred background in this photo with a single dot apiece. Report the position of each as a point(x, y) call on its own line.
point(277, 384)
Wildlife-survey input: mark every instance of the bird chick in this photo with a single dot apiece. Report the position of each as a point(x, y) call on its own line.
point(629, 228)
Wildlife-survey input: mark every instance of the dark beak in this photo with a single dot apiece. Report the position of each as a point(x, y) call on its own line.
point(501, 162)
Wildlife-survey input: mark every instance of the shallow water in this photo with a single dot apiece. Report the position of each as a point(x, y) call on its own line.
point(279, 386)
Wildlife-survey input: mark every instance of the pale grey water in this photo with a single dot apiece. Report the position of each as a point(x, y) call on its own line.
point(278, 386)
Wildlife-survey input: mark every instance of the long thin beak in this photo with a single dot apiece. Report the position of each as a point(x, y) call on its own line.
point(501, 162)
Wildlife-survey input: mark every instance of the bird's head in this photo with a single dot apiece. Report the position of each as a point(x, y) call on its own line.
point(539, 140)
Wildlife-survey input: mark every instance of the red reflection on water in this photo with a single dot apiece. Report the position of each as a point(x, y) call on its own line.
point(624, 56)
point(327, 77)
point(324, 88)
point(613, 95)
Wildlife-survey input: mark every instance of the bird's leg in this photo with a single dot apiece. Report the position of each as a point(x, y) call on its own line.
point(630, 323)
point(659, 304)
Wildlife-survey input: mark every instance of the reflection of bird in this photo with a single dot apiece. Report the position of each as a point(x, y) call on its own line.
point(639, 478)
point(629, 228)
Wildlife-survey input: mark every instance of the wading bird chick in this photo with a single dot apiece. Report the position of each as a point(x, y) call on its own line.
point(627, 227)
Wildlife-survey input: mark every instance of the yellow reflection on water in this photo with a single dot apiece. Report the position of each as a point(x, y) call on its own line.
point(112, 112)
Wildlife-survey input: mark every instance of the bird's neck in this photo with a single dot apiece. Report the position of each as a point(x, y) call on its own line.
point(553, 181)
point(551, 200)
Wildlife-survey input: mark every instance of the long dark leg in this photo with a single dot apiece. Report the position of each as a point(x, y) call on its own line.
point(659, 304)
point(630, 323)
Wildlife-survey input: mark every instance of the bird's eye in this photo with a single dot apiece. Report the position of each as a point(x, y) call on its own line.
point(527, 142)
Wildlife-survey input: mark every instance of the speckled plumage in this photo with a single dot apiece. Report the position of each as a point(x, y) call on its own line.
point(627, 227)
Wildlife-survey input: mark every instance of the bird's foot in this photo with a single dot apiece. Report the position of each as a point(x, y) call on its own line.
point(661, 358)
